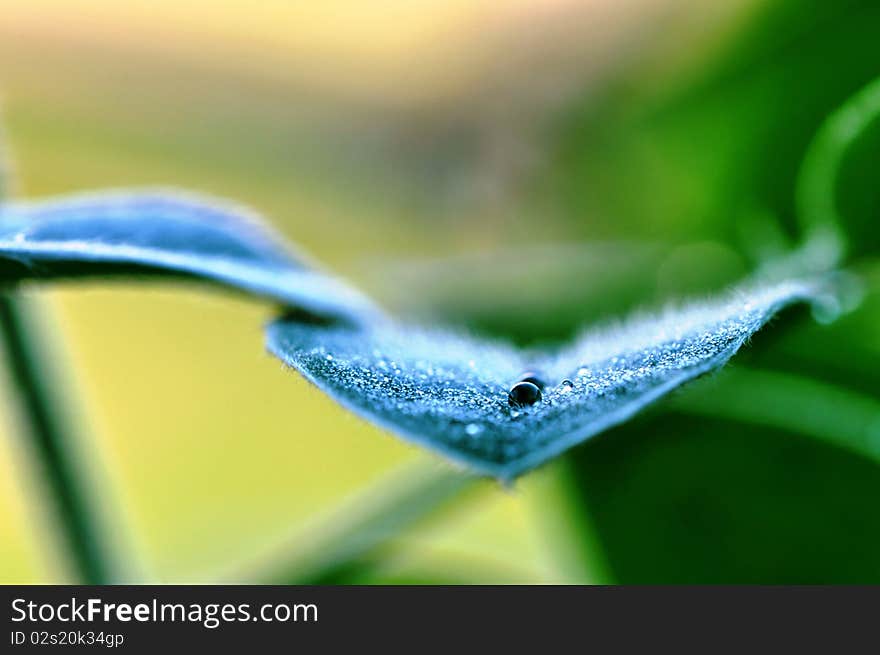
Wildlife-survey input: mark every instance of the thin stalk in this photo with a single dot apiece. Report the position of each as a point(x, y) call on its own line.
point(818, 178)
point(40, 406)
point(353, 536)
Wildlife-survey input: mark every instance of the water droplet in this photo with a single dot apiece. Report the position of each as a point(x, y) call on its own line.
point(826, 309)
point(565, 386)
point(533, 378)
point(523, 394)
point(473, 429)
point(329, 358)
point(583, 372)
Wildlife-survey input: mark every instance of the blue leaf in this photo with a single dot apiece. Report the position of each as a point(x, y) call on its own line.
point(449, 391)
point(126, 233)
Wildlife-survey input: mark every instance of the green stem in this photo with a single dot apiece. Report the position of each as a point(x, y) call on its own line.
point(817, 180)
point(354, 535)
point(40, 406)
point(40, 410)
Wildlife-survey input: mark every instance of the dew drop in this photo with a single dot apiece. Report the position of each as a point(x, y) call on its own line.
point(329, 358)
point(523, 394)
point(473, 429)
point(583, 372)
point(565, 386)
point(534, 378)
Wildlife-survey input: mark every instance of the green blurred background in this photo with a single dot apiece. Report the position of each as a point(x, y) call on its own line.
point(522, 168)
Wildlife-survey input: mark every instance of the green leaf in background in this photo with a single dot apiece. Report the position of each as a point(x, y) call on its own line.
point(720, 146)
point(698, 499)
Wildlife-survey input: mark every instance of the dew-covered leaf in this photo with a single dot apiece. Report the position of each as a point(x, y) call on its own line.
point(449, 391)
point(166, 233)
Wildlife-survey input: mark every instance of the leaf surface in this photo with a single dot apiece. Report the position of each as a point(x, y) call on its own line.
point(449, 391)
point(166, 233)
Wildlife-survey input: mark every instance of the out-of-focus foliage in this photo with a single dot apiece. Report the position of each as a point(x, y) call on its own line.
point(697, 500)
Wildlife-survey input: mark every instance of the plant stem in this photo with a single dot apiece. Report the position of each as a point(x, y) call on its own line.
point(33, 381)
point(818, 178)
point(40, 406)
point(352, 536)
